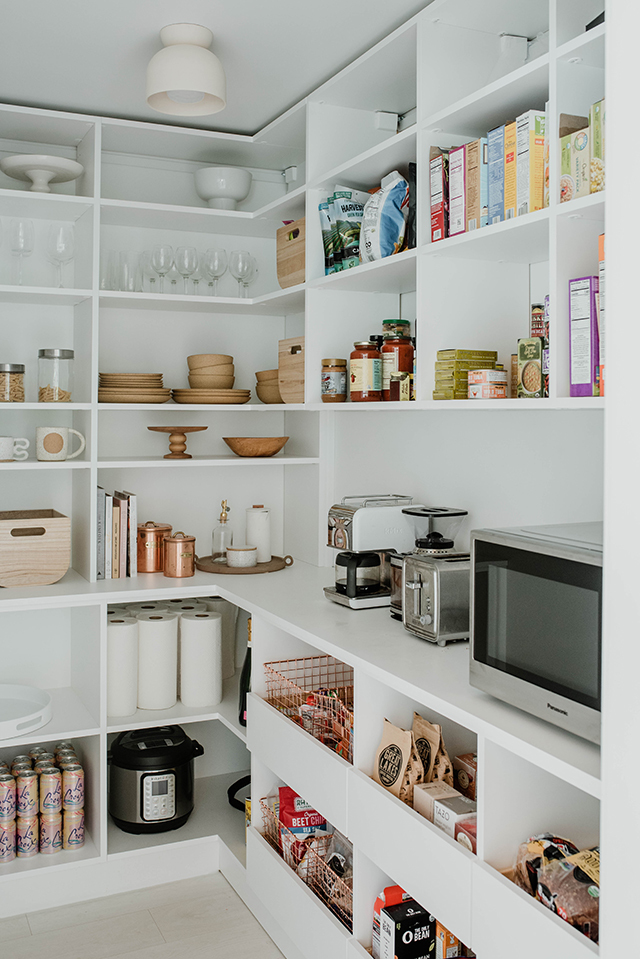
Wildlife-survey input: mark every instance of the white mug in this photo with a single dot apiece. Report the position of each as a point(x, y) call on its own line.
point(10, 451)
point(52, 443)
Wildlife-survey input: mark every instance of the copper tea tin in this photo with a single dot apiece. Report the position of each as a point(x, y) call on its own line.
point(179, 555)
point(150, 546)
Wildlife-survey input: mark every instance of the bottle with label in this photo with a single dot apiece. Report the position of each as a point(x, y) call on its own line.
point(245, 680)
point(333, 382)
point(365, 373)
point(397, 357)
point(222, 536)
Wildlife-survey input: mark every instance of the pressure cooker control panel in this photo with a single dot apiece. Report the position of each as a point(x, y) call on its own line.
point(158, 797)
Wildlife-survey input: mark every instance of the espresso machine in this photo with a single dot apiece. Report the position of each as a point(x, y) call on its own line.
point(367, 530)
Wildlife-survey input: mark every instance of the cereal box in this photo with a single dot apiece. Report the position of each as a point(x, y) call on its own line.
point(477, 205)
point(457, 191)
point(495, 168)
point(448, 946)
point(581, 162)
point(584, 340)
point(530, 383)
point(568, 126)
point(510, 171)
point(530, 131)
point(439, 183)
point(596, 123)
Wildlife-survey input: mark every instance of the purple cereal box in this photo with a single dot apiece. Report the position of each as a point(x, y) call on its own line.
point(584, 345)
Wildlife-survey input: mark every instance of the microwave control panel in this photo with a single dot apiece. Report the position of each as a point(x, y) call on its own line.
point(158, 797)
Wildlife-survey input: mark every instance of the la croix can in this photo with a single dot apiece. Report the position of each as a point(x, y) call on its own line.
point(7, 796)
point(27, 794)
point(73, 787)
point(51, 833)
point(7, 840)
point(151, 537)
point(179, 555)
point(36, 753)
point(26, 837)
point(73, 828)
point(50, 790)
point(22, 759)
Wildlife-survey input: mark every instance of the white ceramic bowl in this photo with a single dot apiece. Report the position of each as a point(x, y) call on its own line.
point(241, 557)
point(221, 186)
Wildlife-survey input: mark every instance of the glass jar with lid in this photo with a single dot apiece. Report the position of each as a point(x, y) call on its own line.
point(11, 383)
point(55, 376)
point(333, 381)
point(403, 327)
point(397, 357)
point(365, 373)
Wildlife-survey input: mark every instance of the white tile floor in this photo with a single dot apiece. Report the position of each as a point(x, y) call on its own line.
point(199, 918)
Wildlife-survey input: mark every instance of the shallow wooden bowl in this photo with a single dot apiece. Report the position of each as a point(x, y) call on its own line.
point(197, 382)
point(255, 445)
point(208, 359)
point(268, 393)
point(227, 369)
point(263, 375)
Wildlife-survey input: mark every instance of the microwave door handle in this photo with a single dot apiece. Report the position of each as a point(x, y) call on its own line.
point(417, 593)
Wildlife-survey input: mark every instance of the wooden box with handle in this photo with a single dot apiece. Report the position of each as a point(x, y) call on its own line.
point(291, 369)
point(290, 245)
point(35, 547)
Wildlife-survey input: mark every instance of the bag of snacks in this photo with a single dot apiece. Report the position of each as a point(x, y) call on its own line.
point(398, 766)
point(384, 219)
point(302, 823)
point(535, 853)
point(432, 750)
point(571, 888)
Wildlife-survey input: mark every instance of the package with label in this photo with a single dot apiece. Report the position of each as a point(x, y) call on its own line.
point(458, 366)
point(546, 166)
point(584, 360)
point(302, 823)
point(457, 191)
point(432, 750)
point(530, 382)
point(407, 931)
point(569, 126)
point(510, 171)
point(477, 184)
point(390, 896)
point(466, 833)
point(397, 765)
point(495, 174)
point(596, 123)
point(439, 184)
point(530, 131)
point(601, 308)
point(425, 794)
point(534, 853)
point(348, 207)
point(384, 219)
point(448, 812)
point(571, 888)
point(451, 394)
point(465, 772)
point(487, 384)
point(487, 355)
point(448, 946)
point(448, 380)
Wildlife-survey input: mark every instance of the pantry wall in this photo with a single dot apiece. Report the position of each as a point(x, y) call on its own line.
point(506, 462)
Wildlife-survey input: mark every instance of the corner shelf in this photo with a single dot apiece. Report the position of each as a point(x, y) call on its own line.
point(230, 460)
point(392, 274)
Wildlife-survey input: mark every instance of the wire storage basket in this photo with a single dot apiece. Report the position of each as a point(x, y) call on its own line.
point(306, 858)
point(316, 692)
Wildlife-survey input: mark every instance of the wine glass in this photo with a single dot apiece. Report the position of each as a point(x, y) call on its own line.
point(21, 242)
point(162, 261)
point(186, 263)
point(240, 267)
point(250, 277)
point(60, 247)
point(214, 264)
point(197, 275)
point(147, 270)
point(173, 276)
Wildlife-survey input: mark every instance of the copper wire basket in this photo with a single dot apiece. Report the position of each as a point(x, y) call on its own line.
point(316, 692)
point(307, 861)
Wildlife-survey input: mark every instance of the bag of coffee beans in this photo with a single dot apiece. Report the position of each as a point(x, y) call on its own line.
point(398, 766)
point(432, 751)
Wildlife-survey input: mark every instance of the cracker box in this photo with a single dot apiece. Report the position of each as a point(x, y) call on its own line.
point(465, 772)
point(457, 191)
point(467, 355)
point(390, 896)
point(495, 178)
point(425, 794)
point(487, 384)
point(448, 946)
point(510, 171)
point(407, 931)
point(581, 162)
point(530, 381)
point(439, 184)
point(584, 343)
point(530, 130)
point(596, 123)
point(569, 124)
point(477, 205)
point(448, 812)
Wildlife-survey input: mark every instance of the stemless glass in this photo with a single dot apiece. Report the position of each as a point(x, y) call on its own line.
point(129, 271)
point(240, 267)
point(60, 247)
point(21, 243)
point(147, 270)
point(162, 261)
point(186, 263)
point(214, 263)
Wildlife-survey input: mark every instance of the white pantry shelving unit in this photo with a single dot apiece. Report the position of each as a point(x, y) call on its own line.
point(506, 462)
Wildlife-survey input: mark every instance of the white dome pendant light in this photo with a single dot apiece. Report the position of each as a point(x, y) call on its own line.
point(186, 78)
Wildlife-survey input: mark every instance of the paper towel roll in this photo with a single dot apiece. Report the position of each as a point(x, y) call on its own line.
point(146, 607)
point(157, 660)
point(201, 659)
point(187, 606)
point(122, 665)
point(259, 531)
point(229, 613)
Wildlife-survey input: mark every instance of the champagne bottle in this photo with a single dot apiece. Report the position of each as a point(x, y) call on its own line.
point(245, 680)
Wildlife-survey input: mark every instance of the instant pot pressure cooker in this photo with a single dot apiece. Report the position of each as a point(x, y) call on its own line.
point(151, 783)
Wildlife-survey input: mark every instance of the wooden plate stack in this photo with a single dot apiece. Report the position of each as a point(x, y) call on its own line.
point(211, 379)
point(132, 388)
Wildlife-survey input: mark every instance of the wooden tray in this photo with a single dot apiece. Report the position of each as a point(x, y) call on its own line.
point(206, 564)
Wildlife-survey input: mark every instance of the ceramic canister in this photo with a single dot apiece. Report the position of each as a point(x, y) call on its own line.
point(150, 546)
point(242, 557)
point(179, 555)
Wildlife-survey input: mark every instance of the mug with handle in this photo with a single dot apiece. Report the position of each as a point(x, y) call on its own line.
point(10, 450)
point(52, 443)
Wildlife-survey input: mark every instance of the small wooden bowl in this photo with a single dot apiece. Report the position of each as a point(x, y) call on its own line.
point(227, 369)
point(269, 392)
point(266, 375)
point(197, 382)
point(208, 359)
point(255, 445)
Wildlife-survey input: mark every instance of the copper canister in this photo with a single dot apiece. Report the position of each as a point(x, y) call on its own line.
point(150, 546)
point(179, 555)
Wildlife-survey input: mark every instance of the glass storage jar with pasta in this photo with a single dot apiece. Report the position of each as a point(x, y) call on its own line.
point(55, 376)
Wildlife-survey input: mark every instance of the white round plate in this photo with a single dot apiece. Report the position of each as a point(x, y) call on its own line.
point(23, 709)
point(41, 170)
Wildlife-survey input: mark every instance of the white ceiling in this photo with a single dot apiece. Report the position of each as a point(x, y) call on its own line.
point(90, 56)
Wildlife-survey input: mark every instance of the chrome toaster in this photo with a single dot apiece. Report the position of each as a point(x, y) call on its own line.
point(435, 596)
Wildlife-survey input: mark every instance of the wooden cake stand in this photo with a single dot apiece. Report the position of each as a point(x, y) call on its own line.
point(177, 439)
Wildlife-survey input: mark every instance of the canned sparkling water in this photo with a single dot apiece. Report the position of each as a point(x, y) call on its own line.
point(65, 744)
point(73, 787)
point(20, 768)
point(4, 767)
point(45, 757)
point(36, 752)
point(26, 837)
point(43, 764)
point(27, 794)
point(66, 755)
point(7, 840)
point(51, 832)
point(7, 796)
point(73, 829)
point(22, 758)
point(50, 790)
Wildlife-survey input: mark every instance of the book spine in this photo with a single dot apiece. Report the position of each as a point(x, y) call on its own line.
point(133, 534)
point(495, 156)
point(108, 536)
point(123, 538)
point(115, 542)
point(100, 534)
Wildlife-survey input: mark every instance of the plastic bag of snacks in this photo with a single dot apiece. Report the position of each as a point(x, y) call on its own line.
point(302, 823)
point(571, 888)
point(398, 766)
point(536, 853)
point(384, 219)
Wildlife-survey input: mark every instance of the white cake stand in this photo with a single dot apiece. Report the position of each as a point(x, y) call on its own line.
point(41, 170)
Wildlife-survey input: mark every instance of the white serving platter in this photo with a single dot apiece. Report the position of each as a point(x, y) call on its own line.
point(22, 709)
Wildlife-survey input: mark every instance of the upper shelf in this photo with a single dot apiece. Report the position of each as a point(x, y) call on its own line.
point(43, 206)
point(524, 239)
point(367, 169)
point(393, 274)
point(278, 303)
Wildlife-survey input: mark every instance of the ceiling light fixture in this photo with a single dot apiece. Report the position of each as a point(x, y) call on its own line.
point(186, 78)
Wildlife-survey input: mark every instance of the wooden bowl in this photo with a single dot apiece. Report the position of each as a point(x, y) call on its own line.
point(226, 369)
point(255, 445)
point(208, 359)
point(197, 382)
point(269, 392)
point(266, 375)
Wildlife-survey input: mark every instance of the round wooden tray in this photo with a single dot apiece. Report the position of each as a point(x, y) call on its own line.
point(206, 564)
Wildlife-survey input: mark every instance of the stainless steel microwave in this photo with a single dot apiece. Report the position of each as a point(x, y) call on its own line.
point(536, 621)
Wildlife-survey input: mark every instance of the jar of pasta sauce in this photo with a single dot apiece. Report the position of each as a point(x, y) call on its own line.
point(365, 373)
point(333, 382)
point(397, 357)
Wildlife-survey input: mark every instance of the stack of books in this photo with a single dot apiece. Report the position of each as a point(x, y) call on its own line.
point(117, 546)
point(452, 370)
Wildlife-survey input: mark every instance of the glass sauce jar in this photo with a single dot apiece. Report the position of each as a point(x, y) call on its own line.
point(365, 373)
point(333, 381)
point(397, 357)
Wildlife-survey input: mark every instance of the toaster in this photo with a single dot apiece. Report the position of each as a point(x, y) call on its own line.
point(362, 523)
point(435, 596)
